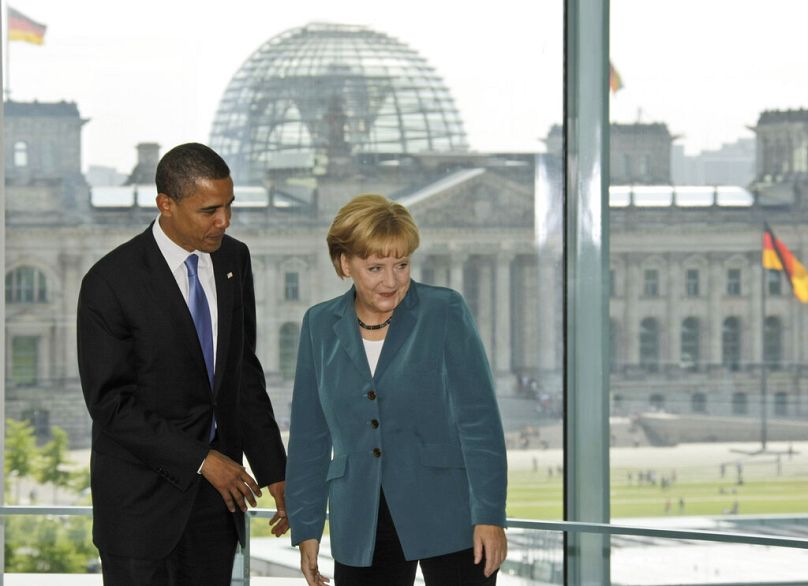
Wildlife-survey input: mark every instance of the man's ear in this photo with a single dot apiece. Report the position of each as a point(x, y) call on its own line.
point(165, 204)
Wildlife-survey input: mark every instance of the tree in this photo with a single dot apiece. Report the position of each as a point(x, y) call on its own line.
point(20, 452)
point(50, 466)
point(36, 544)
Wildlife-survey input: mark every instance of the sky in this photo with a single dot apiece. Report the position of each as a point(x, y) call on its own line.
point(154, 71)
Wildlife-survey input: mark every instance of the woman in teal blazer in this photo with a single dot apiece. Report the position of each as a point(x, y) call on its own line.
point(394, 420)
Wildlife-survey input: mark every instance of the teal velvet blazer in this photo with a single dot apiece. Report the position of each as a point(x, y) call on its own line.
point(426, 429)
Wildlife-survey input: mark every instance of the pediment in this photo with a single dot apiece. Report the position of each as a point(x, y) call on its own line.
point(485, 199)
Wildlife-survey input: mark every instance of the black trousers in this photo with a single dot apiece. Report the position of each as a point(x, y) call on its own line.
point(389, 568)
point(204, 554)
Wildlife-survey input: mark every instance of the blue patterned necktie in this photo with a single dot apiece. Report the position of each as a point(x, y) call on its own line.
point(200, 312)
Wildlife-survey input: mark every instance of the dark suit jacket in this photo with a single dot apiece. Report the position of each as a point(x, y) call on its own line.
point(425, 428)
point(147, 391)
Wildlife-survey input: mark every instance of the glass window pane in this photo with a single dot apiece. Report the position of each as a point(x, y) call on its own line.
point(713, 429)
point(308, 111)
point(24, 360)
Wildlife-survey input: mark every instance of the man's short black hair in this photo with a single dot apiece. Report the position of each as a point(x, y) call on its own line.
point(181, 167)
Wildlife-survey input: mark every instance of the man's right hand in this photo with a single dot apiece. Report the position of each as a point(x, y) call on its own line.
point(231, 480)
point(308, 563)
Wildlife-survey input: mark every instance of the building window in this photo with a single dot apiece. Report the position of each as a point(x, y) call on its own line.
point(734, 282)
point(773, 342)
point(740, 404)
point(657, 402)
point(649, 345)
point(651, 283)
point(775, 283)
point(287, 348)
point(291, 286)
point(692, 283)
point(731, 343)
point(690, 344)
point(24, 360)
point(781, 404)
point(698, 403)
point(20, 154)
point(40, 422)
point(26, 285)
point(612, 290)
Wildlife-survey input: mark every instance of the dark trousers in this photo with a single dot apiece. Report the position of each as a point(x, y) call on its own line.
point(389, 568)
point(204, 554)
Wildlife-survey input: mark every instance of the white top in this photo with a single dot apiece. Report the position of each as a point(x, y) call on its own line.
point(175, 256)
point(373, 349)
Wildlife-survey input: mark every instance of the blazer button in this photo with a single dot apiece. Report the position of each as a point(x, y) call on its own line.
point(372, 395)
point(374, 423)
point(377, 452)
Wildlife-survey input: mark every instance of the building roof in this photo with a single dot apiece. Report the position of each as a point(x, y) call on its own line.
point(779, 116)
point(40, 109)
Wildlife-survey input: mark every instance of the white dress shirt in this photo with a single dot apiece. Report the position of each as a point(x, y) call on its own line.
point(175, 256)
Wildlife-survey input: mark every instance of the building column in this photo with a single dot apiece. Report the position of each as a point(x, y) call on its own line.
point(754, 353)
point(66, 334)
point(271, 321)
point(674, 291)
point(547, 308)
point(456, 263)
point(716, 292)
point(631, 335)
point(485, 314)
point(502, 299)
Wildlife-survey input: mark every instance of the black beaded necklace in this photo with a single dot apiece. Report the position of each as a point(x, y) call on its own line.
point(384, 324)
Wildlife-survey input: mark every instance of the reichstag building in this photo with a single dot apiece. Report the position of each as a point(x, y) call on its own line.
point(326, 111)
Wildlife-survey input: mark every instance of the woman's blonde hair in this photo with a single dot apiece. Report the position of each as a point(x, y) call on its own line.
point(369, 225)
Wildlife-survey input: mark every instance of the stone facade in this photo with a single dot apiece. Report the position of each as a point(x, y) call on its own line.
point(491, 228)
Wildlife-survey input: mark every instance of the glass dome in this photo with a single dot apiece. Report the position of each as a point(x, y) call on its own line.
point(331, 90)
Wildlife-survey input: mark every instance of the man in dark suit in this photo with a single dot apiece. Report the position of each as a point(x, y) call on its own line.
point(166, 346)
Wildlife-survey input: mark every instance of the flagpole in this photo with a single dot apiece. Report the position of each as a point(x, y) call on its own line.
point(764, 371)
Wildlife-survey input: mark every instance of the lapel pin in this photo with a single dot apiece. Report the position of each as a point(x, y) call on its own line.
point(229, 275)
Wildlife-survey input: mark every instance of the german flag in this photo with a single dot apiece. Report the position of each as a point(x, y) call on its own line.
point(615, 81)
point(22, 28)
point(777, 257)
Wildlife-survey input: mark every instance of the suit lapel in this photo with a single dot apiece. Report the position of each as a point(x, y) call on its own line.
point(224, 304)
point(347, 332)
point(401, 327)
point(168, 297)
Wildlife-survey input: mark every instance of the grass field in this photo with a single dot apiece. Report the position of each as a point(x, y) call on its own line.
point(704, 476)
point(693, 479)
point(532, 497)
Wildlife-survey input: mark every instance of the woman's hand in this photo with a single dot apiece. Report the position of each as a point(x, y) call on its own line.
point(490, 543)
point(308, 562)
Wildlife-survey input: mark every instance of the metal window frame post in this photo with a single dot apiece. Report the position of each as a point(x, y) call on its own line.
point(586, 176)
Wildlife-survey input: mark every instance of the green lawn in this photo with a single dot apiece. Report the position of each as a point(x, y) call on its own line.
point(531, 495)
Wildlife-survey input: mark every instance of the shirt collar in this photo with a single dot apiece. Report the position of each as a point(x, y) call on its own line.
point(175, 254)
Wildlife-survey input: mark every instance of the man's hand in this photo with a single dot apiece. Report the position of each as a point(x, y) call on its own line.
point(308, 563)
point(231, 480)
point(279, 522)
point(490, 542)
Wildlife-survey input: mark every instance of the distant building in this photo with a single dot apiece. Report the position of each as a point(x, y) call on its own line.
point(640, 153)
point(148, 155)
point(781, 176)
point(687, 329)
point(99, 175)
point(732, 164)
